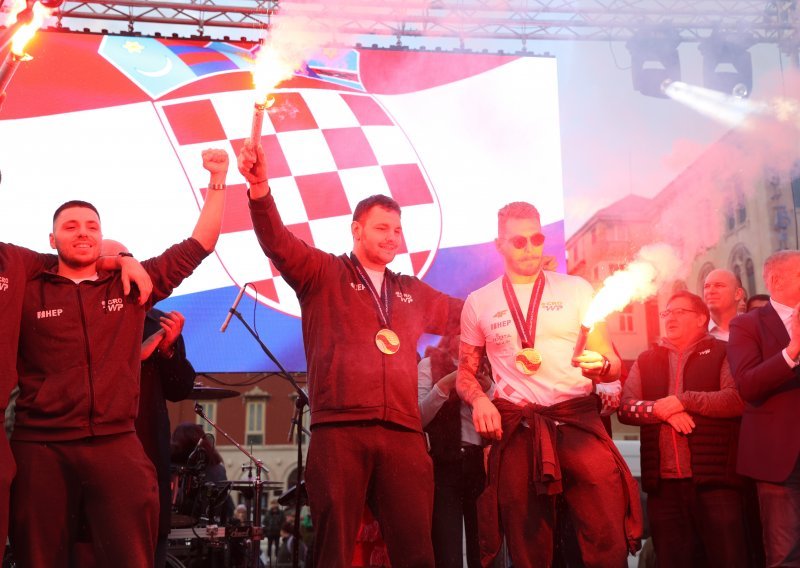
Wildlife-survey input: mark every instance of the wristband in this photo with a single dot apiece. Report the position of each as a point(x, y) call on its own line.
point(259, 182)
point(129, 255)
point(216, 186)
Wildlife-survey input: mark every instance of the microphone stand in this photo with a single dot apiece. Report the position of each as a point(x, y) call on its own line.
point(257, 532)
point(297, 421)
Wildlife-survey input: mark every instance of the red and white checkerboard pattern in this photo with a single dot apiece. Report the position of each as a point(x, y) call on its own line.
point(326, 150)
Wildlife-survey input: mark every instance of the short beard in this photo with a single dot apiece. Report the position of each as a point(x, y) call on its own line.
point(74, 263)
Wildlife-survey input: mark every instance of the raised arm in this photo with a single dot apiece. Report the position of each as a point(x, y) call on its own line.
point(253, 166)
point(209, 224)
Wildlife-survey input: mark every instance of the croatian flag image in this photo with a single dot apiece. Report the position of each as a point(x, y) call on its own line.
point(121, 122)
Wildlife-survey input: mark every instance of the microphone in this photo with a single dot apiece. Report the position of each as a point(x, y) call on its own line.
point(296, 419)
point(197, 448)
point(233, 309)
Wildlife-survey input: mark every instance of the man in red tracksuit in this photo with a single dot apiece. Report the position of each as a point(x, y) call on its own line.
point(17, 266)
point(361, 323)
point(79, 360)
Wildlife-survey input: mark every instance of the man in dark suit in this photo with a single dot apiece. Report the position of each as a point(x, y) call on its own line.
point(764, 351)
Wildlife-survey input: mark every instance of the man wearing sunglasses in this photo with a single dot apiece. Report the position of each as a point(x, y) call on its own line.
point(544, 419)
point(682, 394)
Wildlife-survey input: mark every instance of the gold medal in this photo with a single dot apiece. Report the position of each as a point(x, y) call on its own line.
point(528, 361)
point(387, 341)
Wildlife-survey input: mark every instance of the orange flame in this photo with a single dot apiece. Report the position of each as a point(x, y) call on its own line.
point(653, 266)
point(26, 32)
point(271, 67)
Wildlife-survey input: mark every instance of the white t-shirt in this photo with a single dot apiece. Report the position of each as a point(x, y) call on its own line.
point(486, 321)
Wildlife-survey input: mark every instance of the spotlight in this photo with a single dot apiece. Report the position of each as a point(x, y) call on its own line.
point(727, 65)
point(655, 61)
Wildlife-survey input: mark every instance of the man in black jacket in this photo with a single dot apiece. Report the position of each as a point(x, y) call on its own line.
point(166, 375)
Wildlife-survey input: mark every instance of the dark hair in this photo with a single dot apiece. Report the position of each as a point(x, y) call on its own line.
point(184, 441)
point(756, 298)
point(516, 210)
point(75, 203)
point(378, 200)
point(697, 303)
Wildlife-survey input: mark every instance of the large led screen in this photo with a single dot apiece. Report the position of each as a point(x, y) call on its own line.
point(121, 122)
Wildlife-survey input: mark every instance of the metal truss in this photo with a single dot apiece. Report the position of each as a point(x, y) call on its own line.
point(767, 21)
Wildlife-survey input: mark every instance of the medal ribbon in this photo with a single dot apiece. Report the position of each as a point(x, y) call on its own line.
point(381, 300)
point(525, 328)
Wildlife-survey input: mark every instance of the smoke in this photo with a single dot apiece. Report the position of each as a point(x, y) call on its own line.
point(714, 195)
point(294, 37)
point(653, 266)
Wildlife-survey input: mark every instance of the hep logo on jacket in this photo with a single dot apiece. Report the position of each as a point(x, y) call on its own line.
point(3, 283)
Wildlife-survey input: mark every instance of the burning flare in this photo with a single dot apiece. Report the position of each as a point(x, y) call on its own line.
point(26, 32)
point(293, 39)
point(271, 67)
point(653, 265)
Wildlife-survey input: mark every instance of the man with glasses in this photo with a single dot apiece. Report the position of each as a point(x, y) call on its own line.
point(544, 419)
point(682, 394)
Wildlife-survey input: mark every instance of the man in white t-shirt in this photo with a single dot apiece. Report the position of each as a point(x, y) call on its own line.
point(544, 420)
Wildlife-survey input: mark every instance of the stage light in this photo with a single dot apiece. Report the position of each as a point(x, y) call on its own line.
point(727, 65)
point(655, 61)
point(727, 109)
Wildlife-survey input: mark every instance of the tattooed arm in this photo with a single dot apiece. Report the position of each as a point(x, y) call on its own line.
point(485, 416)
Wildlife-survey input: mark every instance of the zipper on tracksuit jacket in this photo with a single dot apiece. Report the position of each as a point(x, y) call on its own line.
point(674, 434)
point(88, 359)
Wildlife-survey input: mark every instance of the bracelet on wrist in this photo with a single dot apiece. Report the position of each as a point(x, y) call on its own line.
point(216, 186)
point(259, 182)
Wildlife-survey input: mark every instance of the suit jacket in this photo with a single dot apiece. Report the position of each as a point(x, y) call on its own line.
point(769, 441)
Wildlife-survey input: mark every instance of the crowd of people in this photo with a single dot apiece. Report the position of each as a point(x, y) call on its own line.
point(498, 430)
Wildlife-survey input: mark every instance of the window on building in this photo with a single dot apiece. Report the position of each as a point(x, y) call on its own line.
point(741, 263)
point(741, 212)
point(730, 218)
point(619, 232)
point(626, 319)
point(210, 410)
point(701, 277)
point(254, 417)
point(750, 270)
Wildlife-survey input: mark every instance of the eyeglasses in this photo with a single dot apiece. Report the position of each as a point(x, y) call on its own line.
point(519, 242)
point(678, 312)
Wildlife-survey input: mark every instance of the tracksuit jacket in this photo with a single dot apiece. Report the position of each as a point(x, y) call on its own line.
point(80, 347)
point(349, 378)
